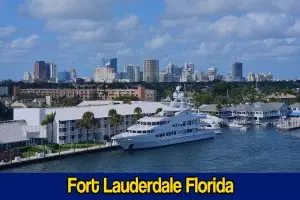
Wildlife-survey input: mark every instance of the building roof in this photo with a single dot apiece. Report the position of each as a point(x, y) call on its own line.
point(98, 103)
point(259, 106)
point(12, 131)
point(75, 113)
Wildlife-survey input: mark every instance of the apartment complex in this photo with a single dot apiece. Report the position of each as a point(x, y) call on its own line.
point(151, 71)
point(86, 94)
point(65, 130)
point(104, 74)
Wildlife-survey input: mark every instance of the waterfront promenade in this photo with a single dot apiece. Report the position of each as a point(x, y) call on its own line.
point(41, 157)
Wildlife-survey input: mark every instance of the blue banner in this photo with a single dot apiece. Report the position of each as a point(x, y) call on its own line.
point(149, 186)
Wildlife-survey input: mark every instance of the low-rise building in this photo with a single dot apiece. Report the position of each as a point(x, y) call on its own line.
point(284, 98)
point(65, 129)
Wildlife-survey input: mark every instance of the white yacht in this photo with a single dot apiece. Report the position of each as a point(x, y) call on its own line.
point(174, 125)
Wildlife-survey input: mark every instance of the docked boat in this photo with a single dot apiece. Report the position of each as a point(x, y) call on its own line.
point(174, 125)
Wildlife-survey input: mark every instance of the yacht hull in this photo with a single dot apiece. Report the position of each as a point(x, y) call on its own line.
point(132, 143)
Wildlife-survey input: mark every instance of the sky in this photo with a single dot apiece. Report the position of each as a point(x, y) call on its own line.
point(262, 34)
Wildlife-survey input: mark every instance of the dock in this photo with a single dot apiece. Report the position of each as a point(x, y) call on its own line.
point(41, 157)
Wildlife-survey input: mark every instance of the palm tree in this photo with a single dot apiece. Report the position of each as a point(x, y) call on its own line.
point(137, 113)
point(49, 119)
point(115, 119)
point(87, 122)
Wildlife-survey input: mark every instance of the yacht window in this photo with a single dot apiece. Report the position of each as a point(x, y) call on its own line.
point(134, 131)
point(157, 135)
point(139, 131)
point(149, 131)
point(184, 123)
point(149, 123)
point(189, 123)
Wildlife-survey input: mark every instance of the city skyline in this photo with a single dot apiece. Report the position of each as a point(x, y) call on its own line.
point(206, 33)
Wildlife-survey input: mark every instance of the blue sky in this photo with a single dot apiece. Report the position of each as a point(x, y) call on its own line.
point(263, 34)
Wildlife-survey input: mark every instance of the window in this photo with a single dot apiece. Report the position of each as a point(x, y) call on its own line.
point(62, 137)
point(62, 129)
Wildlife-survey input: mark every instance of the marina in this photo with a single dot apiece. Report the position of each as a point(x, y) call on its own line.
point(258, 149)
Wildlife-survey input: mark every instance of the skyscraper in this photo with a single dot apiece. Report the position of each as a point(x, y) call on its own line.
point(28, 77)
point(113, 63)
point(41, 71)
point(53, 72)
point(137, 73)
point(237, 71)
point(212, 73)
point(73, 74)
point(151, 70)
point(128, 69)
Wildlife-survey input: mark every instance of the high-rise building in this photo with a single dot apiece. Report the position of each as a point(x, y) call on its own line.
point(53, 72)
point(73, 74)
point(175, 72)
point(212, 73)
point(165, 76)
point(151, 70)
point(186, 75)
point(190, 65)
point(104, 74)
point(128, 69)
point(251, 77)
point(113, 63)
point(237, 71)
point(41, 71)
point(28, 77)
point(137, 73)
point(64, 76)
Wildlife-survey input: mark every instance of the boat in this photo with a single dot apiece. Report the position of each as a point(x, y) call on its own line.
point(173, 125)
point(235, 124)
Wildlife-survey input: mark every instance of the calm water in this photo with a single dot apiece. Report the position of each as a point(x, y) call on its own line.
point(255, 150)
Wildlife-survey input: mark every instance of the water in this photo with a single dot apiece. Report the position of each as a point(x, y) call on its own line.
point(255, 150)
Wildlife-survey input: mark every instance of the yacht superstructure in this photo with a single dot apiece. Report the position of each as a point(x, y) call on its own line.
point(176, 124)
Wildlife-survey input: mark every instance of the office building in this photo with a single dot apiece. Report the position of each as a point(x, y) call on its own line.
point(237, 72)
point(129, 72)
point(53, 72)
point(64, 76)
point(259, 77)
point(73, 74)
point(151, 71)
point(113, 63)
point(28, 77)
point(212, 73)
point(175, 72)
point(104, 74)
point(164, 76)
point(190, 66)
point(41, 71)
point(137, 73)
point(187, 74)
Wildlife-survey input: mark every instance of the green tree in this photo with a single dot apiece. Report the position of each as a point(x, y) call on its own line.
point(114, 119)
point(199, 99)
point(138, 113)
point(49, 119)
point(219, 107)
point(87, 122)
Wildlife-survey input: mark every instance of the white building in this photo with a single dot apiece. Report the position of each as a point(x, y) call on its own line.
point(212, 73)
point(104, 74)
point(28, 77)
point(73, 74)
point(259, 77)
point(65, 129)
point(187, 74)
point(53, 72)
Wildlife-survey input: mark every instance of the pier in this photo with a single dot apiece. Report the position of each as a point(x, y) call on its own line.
point(42, 157)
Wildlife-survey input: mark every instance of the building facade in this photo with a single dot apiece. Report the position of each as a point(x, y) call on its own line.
point(104, 74)
point(53, 72)
point(237, 72)
point(113, 63)
point(41, 71)
point(65, 130)
point(212, 73)
point(151, 71)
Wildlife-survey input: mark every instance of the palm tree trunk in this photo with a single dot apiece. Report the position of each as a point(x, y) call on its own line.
point(52, 133)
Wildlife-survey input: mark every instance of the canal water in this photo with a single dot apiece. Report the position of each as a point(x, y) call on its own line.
point(255, 150)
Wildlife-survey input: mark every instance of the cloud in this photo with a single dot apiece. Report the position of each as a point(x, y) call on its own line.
point(24, 43)
point(252, 25)
point(70, 25)
point(158, 41)
point(69, 9)
point(217, 7)
point(127, 23)
point(7, 31)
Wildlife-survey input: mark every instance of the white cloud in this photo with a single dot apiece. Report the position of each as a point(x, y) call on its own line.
point(7, 31)
point(24, 43)
point(216, 7)
point(69, 9)
point(158, 41)
point(71, 25)
point(252, 25)
point(128, 23)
